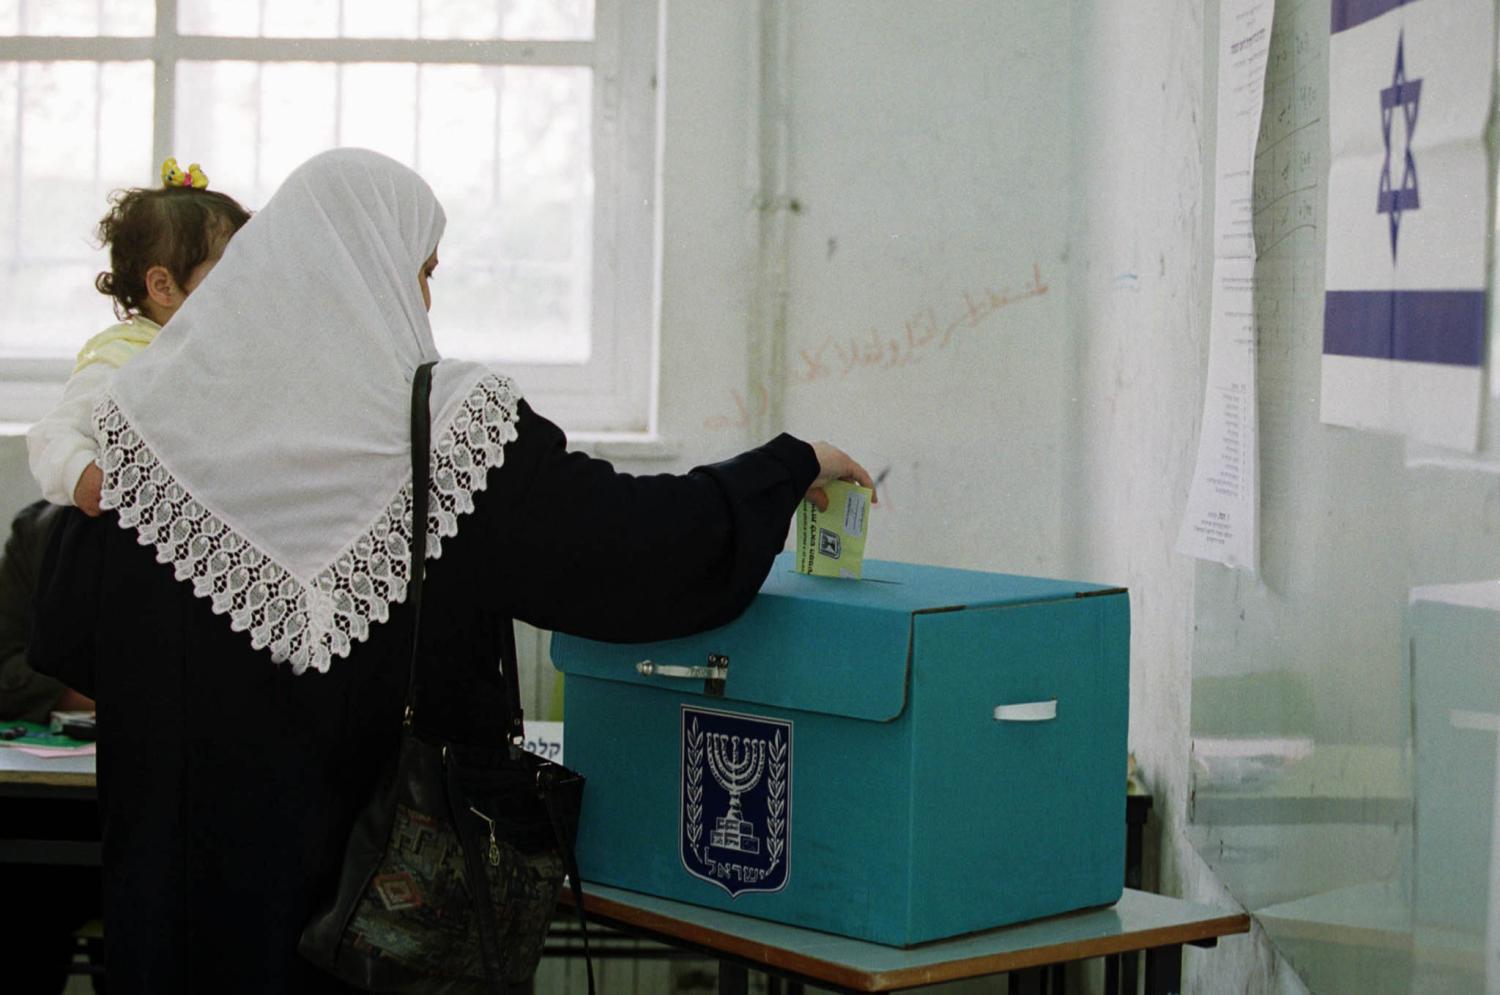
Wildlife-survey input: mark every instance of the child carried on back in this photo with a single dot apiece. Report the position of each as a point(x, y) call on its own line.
point(162, 243)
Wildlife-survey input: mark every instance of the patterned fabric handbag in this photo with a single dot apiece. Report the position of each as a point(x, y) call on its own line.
point(453, 870)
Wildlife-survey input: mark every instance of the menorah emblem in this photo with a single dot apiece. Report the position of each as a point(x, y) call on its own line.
point(737, 772)
point(740, 765)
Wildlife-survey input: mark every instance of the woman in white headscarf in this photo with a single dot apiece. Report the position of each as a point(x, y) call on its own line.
point(257, 459)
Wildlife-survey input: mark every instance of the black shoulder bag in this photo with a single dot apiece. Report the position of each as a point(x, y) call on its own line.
point(453, 870)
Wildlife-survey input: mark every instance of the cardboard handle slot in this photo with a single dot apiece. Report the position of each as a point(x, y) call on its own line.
point(1031, 711)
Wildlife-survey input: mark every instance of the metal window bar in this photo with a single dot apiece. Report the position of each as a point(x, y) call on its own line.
point(226, 48)
point(608, 388)
point(17, 158)
point(166, 48)
point(97, 164)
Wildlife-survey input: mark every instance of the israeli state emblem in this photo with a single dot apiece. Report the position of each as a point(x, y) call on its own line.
point(736, 812)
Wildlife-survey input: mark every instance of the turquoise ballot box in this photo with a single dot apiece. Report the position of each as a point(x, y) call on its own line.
point(919, 754)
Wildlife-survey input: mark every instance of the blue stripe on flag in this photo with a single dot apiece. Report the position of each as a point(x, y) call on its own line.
point(1419, 326)
point(1352, 13)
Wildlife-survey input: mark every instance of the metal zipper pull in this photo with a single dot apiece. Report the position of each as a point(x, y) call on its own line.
point(494, 845)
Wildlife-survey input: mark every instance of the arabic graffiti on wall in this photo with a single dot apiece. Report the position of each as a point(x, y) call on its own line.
point(924, 334)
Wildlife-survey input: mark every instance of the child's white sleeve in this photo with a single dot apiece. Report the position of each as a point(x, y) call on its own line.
point(61, 446)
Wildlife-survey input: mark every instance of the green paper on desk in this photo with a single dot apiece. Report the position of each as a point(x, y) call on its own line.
point(41, 735)
point(832, 543)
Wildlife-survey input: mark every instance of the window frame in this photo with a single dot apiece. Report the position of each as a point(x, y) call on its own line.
point(613, 394)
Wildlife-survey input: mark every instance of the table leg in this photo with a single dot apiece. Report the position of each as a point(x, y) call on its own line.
point(1112, 975)
point(1164, 970)
point(1134, 847)
point(734, 979)
point(1130, 964)
point(1028, 981)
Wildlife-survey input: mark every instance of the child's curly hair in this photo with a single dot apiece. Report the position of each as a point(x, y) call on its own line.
point(175, 227)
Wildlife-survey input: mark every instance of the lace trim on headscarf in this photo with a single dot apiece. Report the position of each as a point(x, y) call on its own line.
point(305, 623)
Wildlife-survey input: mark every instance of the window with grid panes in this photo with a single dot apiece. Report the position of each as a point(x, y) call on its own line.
point(533, 120)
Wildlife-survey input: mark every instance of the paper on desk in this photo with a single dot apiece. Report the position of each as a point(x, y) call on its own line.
point(52, 753)
point(1229, 763)
point(832, 543)
point(1222, 520)
point(545, 739)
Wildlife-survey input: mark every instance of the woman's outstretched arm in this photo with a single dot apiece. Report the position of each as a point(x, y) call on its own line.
point(585, 549)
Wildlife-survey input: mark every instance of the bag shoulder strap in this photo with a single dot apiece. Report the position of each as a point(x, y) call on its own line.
point(515, 727)
point(421, 483)
point(421, 469)
point(421, 472)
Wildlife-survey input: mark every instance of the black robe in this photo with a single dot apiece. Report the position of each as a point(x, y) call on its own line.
point(228, 785)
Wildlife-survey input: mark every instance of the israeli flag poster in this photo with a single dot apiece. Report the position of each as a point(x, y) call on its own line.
point(1404, 312)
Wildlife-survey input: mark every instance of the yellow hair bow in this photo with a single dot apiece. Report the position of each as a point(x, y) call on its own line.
point(173, 175)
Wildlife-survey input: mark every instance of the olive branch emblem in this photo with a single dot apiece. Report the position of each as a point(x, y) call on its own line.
point(776, 802)
point(694, 786)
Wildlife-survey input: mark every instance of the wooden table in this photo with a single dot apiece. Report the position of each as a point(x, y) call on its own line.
point(1140, 922)
point(18, 769)
point(48, 810)
point(65, 789)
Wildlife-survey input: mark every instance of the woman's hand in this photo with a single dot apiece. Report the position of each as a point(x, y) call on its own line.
point(835, 464)
point(73, 701)
point(86, 492)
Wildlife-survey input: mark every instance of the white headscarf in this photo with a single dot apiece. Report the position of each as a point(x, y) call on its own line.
point(262, 442)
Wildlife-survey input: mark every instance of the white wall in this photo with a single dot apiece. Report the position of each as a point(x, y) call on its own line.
point(938, 150)
point(926, 145)
point(17, 488)
point(911, 184)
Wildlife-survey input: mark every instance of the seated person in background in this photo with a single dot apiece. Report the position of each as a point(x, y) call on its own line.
point(36, 944)
point(24, 693)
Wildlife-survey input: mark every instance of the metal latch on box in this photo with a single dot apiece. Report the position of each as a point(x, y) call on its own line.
point(712, 676)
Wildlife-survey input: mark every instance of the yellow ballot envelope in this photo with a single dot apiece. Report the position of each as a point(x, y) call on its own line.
point(832, 543)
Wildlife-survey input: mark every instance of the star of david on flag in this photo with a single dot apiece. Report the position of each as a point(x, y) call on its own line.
point(1404, 312)
point(1404, 94)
